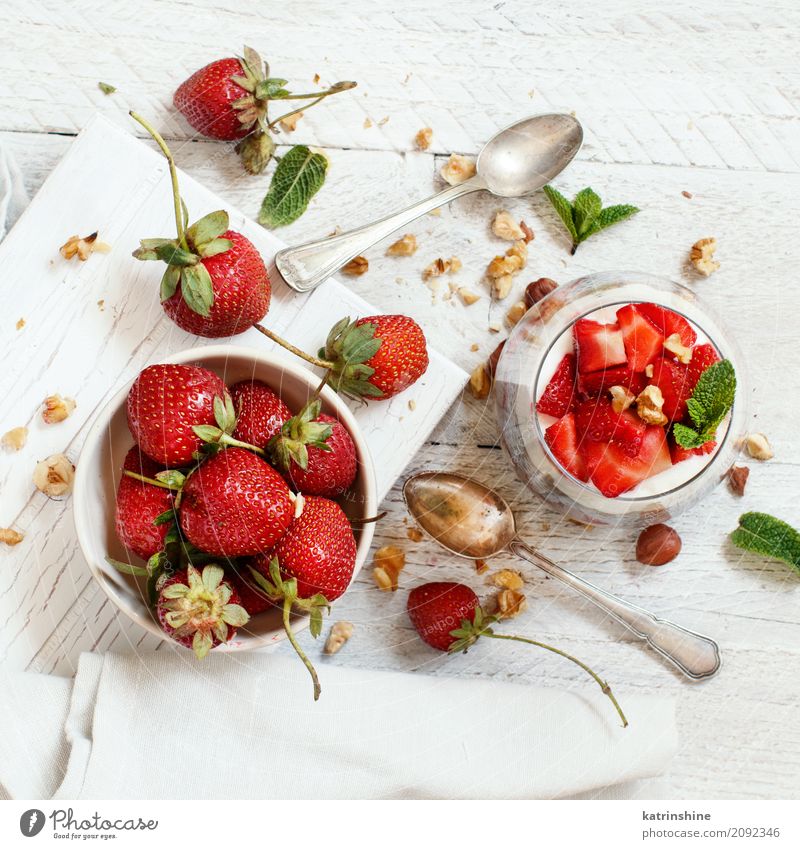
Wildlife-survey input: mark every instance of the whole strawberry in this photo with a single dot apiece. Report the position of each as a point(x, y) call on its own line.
point(235, 504)
point(139, 504)
point(260, 413)
point(315, 453)
point(165, 403)
point(448, 617)
point(199, 610)
point(375, 357)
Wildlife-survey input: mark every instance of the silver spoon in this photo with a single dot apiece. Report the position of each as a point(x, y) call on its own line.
point(516, 161)
point(471, 520)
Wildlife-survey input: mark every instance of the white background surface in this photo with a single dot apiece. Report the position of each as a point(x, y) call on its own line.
point(672, 98)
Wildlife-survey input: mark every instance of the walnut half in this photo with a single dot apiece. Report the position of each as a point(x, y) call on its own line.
point(457, 169)
point(649, 404)
point(702, 256)
point(339, 635)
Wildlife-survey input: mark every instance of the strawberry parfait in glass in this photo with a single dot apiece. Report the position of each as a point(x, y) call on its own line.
point(615, 396)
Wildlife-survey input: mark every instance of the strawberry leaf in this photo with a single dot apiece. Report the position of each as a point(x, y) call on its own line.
point(208, 228)
point(298, 177)
point(127, 568)
point(197, 289)
point(169, 282)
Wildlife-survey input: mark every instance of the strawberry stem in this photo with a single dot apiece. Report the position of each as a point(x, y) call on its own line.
point(287, 610)
point(315, 361)
point(173, 173)
point(151, 481)
point(227, 439)
point(603, 684)
point(314, 97)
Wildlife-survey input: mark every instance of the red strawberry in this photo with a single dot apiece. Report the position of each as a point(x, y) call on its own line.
point(260, 413)
point(138, 505)
point(598, 346)
point(558, 397)
point(562, 439)
point(643, 341)
point(678, 453)
point(375, 357)
point(614, 472)
point(672, 378)
point(315, 453)
point(703, 356)
point(599, 382)
point(252, 598)
point(199, 609)
point(235, 504)
point(596, 421)
point(668, 322)
point(437, 608)
point(165, 402)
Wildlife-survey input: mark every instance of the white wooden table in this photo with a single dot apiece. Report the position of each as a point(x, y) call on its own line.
point(672, 98)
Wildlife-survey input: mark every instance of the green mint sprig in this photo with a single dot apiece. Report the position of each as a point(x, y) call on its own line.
point(586, 216)
point(710, 402)
point(298, 177)
point(769, 536)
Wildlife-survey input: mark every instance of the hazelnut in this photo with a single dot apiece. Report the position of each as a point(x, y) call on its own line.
point(289, 123)
point(457, 169)
point(56, 409)
point(657, 545)
point(507, 579)
point(15, 438)
point(54, 476)
point(357, 266)
point(11, 537)
point(340, 633)
point(510, 603)
point(423, 138)
point(621, 398)
point(534, 292)
point(758, 446)
point(494, 359)
point(702, 256)
point(389, 561)
point(468, 296)
point(737, 479)
point(406, 246)
point(504, 227)
point(649, 404)
point(480, 382)
point(674, 345)
point(515, 313)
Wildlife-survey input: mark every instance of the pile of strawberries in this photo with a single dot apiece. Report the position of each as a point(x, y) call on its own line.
point(596, 438)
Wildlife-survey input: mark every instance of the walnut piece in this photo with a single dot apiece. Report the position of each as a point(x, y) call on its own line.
point(737, 479)
point(758, 446)
point(367, 123)
point(423, 138)
point(480, 382)
point(515, 313)
point(648, 370)
point(412, 405)
point(11, 537)
point(83, 247)
point(649, 404)
point(340, 633)
point(15, 438)
point(621, 398)
point(388, 563)
point(507, 579)
point(55, 409)
point(357, 266)
point(441, 266)
point(527, 234)
point(504, 227)
point(510, 603)
point(468, 296)
point(289, 123)
point(54, 476)
point(407, 246)
point(674, 345)
point(457, 169)
point(702, 256)
point(502, 268)
point(414, 534)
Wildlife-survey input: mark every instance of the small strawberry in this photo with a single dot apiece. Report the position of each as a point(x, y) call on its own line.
point(667, 322)
point(260, 413)
point(559, 396)
point(598, 346)
point(165, 403)
point(448, 617)
point(234, 504)
point(199, 610)
point(139, 504)
point(315, 453)
point(703, 356)
point(375, 357)
point(562, 439)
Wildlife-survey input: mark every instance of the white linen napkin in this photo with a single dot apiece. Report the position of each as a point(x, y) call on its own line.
point(162, 726)
point(13, 197)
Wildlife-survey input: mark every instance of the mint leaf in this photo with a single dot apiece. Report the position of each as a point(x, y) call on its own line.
point(711, 400)
point(612, 215)
point(686, 437)
point(298, 177)
point(585, 209)
point(586, 216)
point(564, 209)
point(769, 536)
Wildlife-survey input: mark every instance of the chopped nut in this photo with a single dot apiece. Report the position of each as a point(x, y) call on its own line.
point(357, 266)
point(541, 288)
point(441, 266)
point(468, 296)
point(758, 446)
point(515, 313)
point(55, 409)
point(340, 633)
point(101, 304)
point(657, 545)
point(388, 564)
point(621, 398)
point(495, 327)
point(507, 579)
point(737, 479)
point(481, 566)
point(480, 382)
point(527, 234)
point(674, 345)
point(412, 405)
point(15, 438)
point(649, 404)
point(414, 534)
point(407, 246)
point(367, 123)
point(455, 265)
point(289, 123)
point(384, 120)
point(423, 138)
point(316, 79)
point(11, 537)
point(510, 603)
point(702, 256)
point(474, 347)
point(501, 268)
point(648, 370)
point(687, 194)
point(501, 287)
point(54, 476)
point(504, 227)
point(83, 247)
point(457, 169)
point(20, 323)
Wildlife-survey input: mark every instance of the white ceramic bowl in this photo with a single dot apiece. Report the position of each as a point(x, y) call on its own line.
point(100, 463)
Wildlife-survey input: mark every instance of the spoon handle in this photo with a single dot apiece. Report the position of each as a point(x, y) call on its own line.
point(695, 655)
point(306, 266)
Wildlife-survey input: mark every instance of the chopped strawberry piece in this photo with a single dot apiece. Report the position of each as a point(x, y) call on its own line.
point(558, 397)
point(598, 345)
point(597, 382)
point(613, 472)
point(596, 421)
point(562, 439)
point(668, 322)
point(678, 453)
point(642, 339)
point(703, 356)
point(676, 386)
